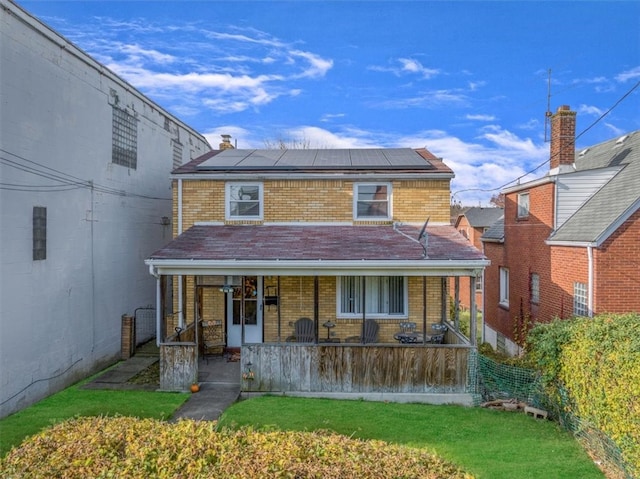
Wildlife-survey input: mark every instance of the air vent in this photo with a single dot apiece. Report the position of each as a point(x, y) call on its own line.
point(583, 152)
point(621, 140)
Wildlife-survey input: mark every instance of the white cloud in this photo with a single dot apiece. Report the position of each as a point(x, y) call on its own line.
point(331, 116)
point(614, 129)
point(406, 66)
point(633, 74)
point(480, 117)
point(318, 66)
point(428, 99)
point(589, 110)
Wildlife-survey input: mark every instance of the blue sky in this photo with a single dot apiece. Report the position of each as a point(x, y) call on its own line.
point(466, 80)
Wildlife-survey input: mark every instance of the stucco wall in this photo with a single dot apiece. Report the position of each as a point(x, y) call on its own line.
point(60, 317)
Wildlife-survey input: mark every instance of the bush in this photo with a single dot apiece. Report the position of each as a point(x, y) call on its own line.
point(591, 369)
point(148, 448)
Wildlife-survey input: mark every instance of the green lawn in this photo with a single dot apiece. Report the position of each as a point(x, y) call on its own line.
point(489, 444)
point(75, 401)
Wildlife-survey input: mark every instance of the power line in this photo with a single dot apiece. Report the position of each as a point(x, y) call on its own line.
point(620, 100)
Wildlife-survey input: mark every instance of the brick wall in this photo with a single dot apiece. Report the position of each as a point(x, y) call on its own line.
point(617, 270)
point(314, 201)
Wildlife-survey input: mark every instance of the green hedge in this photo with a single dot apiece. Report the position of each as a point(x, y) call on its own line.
point(591, 369)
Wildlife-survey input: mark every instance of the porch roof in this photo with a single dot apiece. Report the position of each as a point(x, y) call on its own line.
point(310, 249)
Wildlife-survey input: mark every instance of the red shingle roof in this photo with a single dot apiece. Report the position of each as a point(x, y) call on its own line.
point(316, 242)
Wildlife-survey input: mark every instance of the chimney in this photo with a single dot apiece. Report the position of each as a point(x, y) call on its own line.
point(563, 139)
point(226, 142)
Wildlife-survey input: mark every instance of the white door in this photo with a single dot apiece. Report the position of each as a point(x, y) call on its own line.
point(245, 302)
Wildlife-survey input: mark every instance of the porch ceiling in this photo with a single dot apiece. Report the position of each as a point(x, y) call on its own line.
point(340, 249)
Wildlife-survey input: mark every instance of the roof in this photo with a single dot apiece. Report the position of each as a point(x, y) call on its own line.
point(479, 217)
point(495, 233)
point(615, 201)
point(317, 245)
point(315, 160)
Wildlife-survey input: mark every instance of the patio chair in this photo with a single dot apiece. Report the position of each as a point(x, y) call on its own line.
point(436, 339)
point(212, 338)
point(370, 335)
point(304, 331)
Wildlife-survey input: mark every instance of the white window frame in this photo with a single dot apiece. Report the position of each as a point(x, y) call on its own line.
point(228, 200)
point(389, 201)
point(580, 300)
point(523, 205)
point(357, 301)
point(504, 287)
point(478, 284)
point(535, 288)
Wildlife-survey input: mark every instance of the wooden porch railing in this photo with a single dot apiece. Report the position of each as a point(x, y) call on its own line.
point(179, 361)
point(357, 368)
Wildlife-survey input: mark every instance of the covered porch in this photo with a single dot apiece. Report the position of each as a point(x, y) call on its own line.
point(356, 290)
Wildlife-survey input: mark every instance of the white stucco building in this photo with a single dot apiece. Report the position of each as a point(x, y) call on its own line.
point(85, 197)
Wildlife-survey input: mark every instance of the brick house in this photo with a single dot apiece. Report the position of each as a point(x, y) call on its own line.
point(266, 237)
point(472, 224)
point(569, 241)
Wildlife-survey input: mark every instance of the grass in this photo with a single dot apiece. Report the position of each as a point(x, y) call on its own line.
point(75, 401)
point(489, 444)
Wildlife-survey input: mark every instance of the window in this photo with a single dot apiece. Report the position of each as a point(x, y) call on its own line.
point(580, 306)
point(124, 140)
point(244, 200)
point(177, 153)
point(504, 287)
point(384, 296)
point(501, 343)
point(535, 288)
point(372, 200)
point(523, 205)
point(39, 233)
point(479, 284)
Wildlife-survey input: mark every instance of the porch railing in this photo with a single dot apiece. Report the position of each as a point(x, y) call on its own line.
point(350, 368)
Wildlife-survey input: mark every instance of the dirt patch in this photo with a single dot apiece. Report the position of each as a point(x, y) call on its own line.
point(151, 375)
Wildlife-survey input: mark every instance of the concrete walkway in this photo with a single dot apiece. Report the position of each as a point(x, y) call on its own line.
point(219, 385)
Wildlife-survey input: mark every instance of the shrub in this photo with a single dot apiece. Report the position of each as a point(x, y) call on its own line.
point(591, 369)
point(148, 448)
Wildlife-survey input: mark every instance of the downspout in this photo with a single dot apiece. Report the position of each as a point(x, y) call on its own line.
point(153, 272)
point(590, 281)
point(180, 292)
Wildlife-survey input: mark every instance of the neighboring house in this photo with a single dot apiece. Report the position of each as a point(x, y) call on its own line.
point(569, 242)
point(84, 199)
point(266, 237)
point(472, 224)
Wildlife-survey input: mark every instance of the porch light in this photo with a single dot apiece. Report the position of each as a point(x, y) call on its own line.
point(226, 289)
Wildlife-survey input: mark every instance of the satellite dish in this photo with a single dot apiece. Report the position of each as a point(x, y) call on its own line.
point(423, 236)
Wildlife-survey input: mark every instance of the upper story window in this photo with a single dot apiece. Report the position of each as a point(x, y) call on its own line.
point(535, 288)
point(580, 305)
point(39, 233)
point(504, 287)
point(523, 205)
point(383, 296)
point(372, 200)
point(243, 201)
point(479, 284)
point(124, 141)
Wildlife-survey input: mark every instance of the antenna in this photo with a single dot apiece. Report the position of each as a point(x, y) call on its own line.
point(424, 236)
point(547, 115)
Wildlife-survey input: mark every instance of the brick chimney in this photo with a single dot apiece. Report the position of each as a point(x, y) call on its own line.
point(226, 142)
point(563, 139)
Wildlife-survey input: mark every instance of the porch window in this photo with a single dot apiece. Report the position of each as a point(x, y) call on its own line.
point(580, 305)
point(384, 296)
point(372, 200)
point(504, 287)
point(244, 200)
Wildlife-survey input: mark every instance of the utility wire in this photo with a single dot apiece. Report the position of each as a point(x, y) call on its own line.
point(486, 190)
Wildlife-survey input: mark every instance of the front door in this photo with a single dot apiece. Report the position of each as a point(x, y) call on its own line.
point(245, 302)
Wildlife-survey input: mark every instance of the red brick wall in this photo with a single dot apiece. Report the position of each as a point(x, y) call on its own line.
point(496, 317)
point(617, 270)
point(570, 265)
point(473, 235)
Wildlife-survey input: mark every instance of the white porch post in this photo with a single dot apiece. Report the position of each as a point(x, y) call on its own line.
point(158, 310)
point(472, 307)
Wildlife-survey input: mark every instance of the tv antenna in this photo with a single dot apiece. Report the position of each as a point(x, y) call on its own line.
point(423, 238)
point(547, 114)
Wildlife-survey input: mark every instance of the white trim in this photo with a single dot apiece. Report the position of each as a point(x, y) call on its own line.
point(530, 184)
point(574, 244)
point(179, 206)
point(317, 267)
point(590, 281)
point(504, 290)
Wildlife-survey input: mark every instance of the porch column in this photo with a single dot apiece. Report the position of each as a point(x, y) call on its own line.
point(472, 307)
point(424, 310)
point(159, 310)
point(456, 302)
point(316, 297)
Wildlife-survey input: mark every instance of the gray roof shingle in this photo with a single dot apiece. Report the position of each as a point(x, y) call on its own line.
point(479, 217)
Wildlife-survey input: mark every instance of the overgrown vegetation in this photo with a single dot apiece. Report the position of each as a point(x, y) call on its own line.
point(591, 369)
point(76, 401)
point(144, 448)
